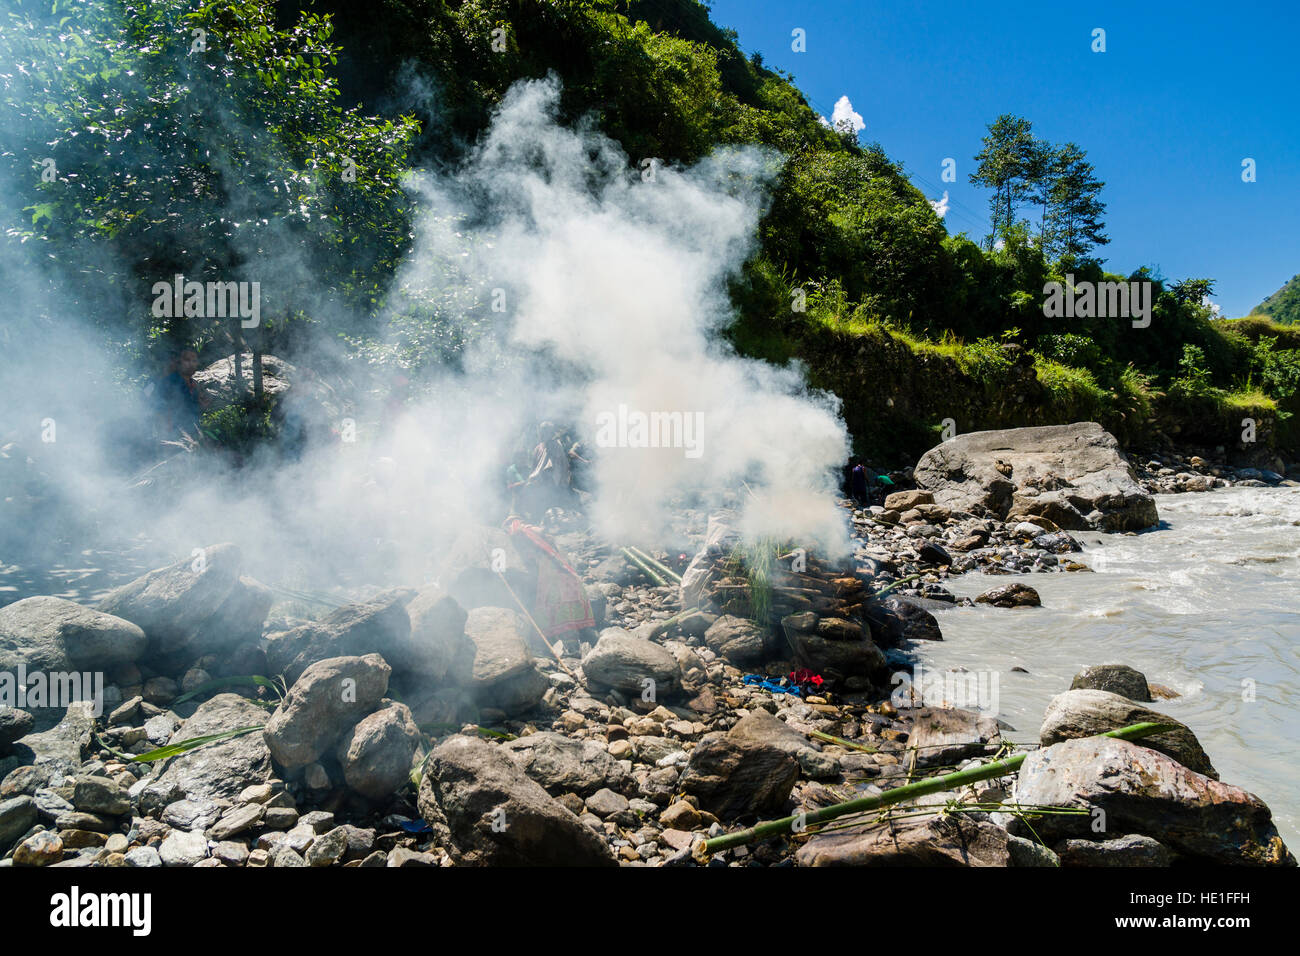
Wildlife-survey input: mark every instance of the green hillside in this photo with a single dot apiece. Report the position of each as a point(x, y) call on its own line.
point(263, 125)
point(1284, 304)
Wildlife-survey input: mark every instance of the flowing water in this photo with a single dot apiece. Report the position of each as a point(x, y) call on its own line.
point(1207, 604)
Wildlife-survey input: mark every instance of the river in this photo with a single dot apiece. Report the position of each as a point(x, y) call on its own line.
point(1207, 604)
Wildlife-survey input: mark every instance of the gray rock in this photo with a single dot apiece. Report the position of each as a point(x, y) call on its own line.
point(1084, 713)
point(1133, 849)
point(955, 840)
point(231, 853)
point(563, 764)
point(1061, 472)
point(62, 748)
point(1142, 791)
point(895, 620)
point(319, 820)
point(760, 727)
point(328, 848)
point(194, 605)
point(51, 634)
point(815, 649)
point(159, 729)
point(1011, 595)
point(438, 647)
point(948, 735)
point(330, 697)
point(502, 675)
point(738, 640)
point(1115, 679)
point(92, 794)
point(605, 802)
point(24, 780)
point(182, 848)
point(354, 630)
point(218, 770)
point(17, 816)
point(497, 815)
point(145, 857)
point(282, 855)
point(739, 773)
point(14, 724)
point(236, 821)
point(1024, 852)
point(403, 856)
point(376, 755)
point(623, 662)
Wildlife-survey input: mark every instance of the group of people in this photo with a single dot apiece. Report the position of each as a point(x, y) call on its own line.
point(556, 465)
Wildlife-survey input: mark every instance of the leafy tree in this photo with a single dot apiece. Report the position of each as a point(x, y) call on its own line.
point(1008, 163)
point(203, 141)
point(1073, 210)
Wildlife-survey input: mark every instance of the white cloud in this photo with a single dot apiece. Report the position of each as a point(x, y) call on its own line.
point(844, 117)
point(940, 206)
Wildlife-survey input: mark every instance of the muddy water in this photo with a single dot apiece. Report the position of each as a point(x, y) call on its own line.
point(1207, 604)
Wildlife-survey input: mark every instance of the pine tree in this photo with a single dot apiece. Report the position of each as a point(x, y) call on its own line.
point(1074, 217)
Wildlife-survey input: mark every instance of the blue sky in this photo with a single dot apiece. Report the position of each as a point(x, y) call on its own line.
point(1183, 93)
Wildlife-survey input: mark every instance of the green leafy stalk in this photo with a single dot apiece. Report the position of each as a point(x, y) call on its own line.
point(909, 791)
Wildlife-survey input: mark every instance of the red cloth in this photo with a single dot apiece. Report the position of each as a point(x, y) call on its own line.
point(561, 604)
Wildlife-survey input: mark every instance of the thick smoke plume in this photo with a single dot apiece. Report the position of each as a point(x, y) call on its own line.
point(596, 300)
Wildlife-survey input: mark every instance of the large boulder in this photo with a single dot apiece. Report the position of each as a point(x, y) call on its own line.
point(438, 647)
point(1116, 678)
point(564, 765)
point(895, 620)
point(479, 564)
point(376, 754)
point(624, 662)
point(1133, 789)
point(200, 604)
point(64, 746)
point(955, 840)
point(821, 646)
point(943, 736)
point(378, 627)
point(14, 725)
point(331, 696)
point(51, 634)
point(1074, 475)
point(748, 770)
point(1085, 713)
point(215, 771)
point(738, 640)
point(502, 675)
point(497, 816)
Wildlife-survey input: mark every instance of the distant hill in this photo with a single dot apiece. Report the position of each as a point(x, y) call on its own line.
point(1284, 304)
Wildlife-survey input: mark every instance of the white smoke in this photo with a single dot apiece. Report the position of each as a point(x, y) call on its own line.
point(614, 292)
point(624, 277)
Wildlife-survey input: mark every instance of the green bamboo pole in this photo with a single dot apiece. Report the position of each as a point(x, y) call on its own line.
point(645, 568)
point(909, 791)
point(657, 565)
point(897, 584)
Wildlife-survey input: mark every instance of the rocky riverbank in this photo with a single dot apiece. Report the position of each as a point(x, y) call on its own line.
point(435, 727)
